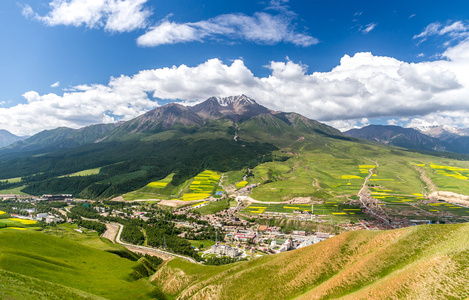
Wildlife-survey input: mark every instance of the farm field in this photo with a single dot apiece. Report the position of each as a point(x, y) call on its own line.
point(9, 223)
point(88, 172)
point(12, 180)
point(48, 258)
point(212, 207)
point(325, 211)
point(337, 171)
point(206, 244)
point(202, 186)
point(14, 191)
point(449, 176)
point(161, 189)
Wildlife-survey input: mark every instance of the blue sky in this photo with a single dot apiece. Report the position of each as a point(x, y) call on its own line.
point(348, 63)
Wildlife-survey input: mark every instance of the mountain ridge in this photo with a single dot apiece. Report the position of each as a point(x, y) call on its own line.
point(218, 115)
point(398, 136)
point(7, 138)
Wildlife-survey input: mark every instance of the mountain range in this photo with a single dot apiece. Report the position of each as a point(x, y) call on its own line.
point(433, 138)
point(222, 117)
point(8, 138)
point(220, 134)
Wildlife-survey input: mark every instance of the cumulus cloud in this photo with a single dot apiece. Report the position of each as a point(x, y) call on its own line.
point(56, 84)
point(361, 87)
point(261, 28)
point(112, 15)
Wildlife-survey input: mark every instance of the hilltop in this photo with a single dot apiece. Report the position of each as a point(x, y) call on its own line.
point(423, 262)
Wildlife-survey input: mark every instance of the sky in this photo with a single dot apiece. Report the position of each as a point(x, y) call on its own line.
point(346, 63)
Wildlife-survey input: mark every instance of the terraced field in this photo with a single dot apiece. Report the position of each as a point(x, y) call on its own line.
point(202, 186)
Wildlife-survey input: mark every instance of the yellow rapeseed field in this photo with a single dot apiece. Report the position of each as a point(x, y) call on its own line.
point(24, 221)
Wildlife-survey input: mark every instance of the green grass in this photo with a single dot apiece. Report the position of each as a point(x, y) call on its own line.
point(15, 224)
point(336, 171)
point(12, 180)
point(213, 207)
point(206, 243)
point(88, 172)
point(161, 189)
point(15, 191)
point(66, 231)
point(17, 286)
point(326, 211)
point(65, 262)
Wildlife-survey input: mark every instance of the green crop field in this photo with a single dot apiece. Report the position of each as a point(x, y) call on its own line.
point(212, 207)
point(337, 171)
point(85, 172)
point(330, 209)
point(202, 186)
point(206, 244)
point(9, 223)
point(14, 191)
point(71, 264)
point(161, 189)
point(12, 180)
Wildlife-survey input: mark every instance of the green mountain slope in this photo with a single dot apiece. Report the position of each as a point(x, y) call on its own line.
point(17, 286)
point(423, 262)
point(67, 263)
point(285, 154)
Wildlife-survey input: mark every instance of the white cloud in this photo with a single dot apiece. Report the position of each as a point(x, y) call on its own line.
point(112, 15)
point(56, 84)
point(361, 87)
point(456, 30)
point(261, 28)
point(169, 33)
point(369, 27)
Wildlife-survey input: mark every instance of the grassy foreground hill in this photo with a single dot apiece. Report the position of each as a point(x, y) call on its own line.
point(423, 262)
point(41, 266)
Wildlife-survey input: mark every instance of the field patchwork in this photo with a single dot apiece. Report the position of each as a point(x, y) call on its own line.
point(202, 186)
point(325, 211)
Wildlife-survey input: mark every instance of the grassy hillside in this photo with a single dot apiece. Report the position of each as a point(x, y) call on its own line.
point(423, 262)
point(17, 286)
point(68, 263)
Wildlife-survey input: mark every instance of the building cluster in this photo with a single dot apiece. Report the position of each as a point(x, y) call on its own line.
point(225, 250)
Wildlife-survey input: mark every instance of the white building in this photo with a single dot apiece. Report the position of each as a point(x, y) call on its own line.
point(225, 250)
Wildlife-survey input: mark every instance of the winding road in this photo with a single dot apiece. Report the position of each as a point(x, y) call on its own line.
point(143, 249)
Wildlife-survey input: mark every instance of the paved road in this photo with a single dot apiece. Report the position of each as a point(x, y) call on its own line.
point(148, 249)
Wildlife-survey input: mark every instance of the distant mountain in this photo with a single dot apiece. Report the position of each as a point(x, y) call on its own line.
point(8, 138)
point(456, 139)
point(398, 136)
point(444, 132)
point(60, 138)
